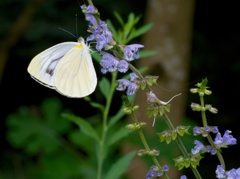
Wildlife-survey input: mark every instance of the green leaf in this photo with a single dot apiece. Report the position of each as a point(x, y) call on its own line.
point(118, 135)
point(147, 53)
point(85, 127)
point(142, 30)
point(120, 166)
point(105, 86)
point(119, 18)
point(116, 118)
point(34, 133)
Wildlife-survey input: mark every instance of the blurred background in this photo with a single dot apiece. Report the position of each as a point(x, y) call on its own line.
point(193, 40)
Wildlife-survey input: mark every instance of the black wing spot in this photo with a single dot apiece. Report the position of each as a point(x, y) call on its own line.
point(50, 71)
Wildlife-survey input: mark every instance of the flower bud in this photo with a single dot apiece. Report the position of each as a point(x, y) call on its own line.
point(213, 110)
point(135, 108)
point(194, 90)
point(153, 152)
point(142, 152)
point(196, 107)
point(208, 92)
point(127, 110)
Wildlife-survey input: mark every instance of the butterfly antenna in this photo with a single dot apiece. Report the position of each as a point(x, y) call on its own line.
point(76, 26)
point(67, 32)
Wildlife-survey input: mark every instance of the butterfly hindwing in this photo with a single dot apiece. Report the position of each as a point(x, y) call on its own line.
point(43, 66)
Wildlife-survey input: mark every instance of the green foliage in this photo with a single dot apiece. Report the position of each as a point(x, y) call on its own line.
point(68, 146)
point(185, 162)
point(120, 166)
point(128, 29)
point(37, 134)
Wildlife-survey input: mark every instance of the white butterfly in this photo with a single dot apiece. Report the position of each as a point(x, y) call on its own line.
point(66, 67)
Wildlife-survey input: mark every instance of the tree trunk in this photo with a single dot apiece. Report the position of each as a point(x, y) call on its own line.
point(170, 37)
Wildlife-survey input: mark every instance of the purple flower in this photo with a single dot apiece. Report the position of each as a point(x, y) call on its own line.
point(133, 77)
point(233, 173)
point(91, 19)
point(154, 172)
point(225, 140)
point(197, 130)
point(131, 89)
point(183, 177)
point(220, 172)
point(109, 63)
point(215, 129)
point(100, 33)
point(165, 168)
point(130, 52)
point(90, 9)
point(123, 66)
point(207, 128)
point(122, 84)
point(198, 147)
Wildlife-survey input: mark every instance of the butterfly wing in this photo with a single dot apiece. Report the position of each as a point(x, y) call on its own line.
point(42, 68)
point(75, 74)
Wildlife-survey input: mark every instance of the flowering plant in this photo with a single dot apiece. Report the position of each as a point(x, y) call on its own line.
point(118, 57)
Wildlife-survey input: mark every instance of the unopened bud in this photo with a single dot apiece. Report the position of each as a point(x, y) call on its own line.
point(208, 92)
point(194, 90)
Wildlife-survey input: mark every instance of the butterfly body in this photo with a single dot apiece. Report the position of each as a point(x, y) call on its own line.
point(66, 67)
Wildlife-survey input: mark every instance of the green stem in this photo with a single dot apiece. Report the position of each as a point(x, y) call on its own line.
point(181, 145)
point(146, 146)
point(102, 142)
point(90, 2)
point(170, 126)
point(209, 138)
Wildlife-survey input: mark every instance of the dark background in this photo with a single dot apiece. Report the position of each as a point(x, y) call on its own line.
point(214, 54)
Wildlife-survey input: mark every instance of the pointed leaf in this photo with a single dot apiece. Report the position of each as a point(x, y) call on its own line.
point(94, 104)
point(119, 18)
point(118, 135)
point(85, 127)
point(142, 30)
point(147, 53)
point(116, 118)
point(120, 166)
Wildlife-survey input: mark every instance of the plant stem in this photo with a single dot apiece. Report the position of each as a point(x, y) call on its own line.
point(90, 2)
point(102, 149)
point(170, 126)
point(209, 138)
point(144, 141)
point(181, 145)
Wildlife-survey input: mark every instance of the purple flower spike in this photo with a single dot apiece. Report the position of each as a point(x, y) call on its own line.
point(132, 88)
point(183, 177)
point(123, 66)
point(130, 52)
point(109, 63)
point(90, 9)
point(123, 84)
point(229, 139)
point(220, 172)
point(133, 77)
point(198, 147)
point(91, 19)
point(226, 140)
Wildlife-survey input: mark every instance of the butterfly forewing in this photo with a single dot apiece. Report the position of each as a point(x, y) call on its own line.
point(43, 66)
point(75, 74)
